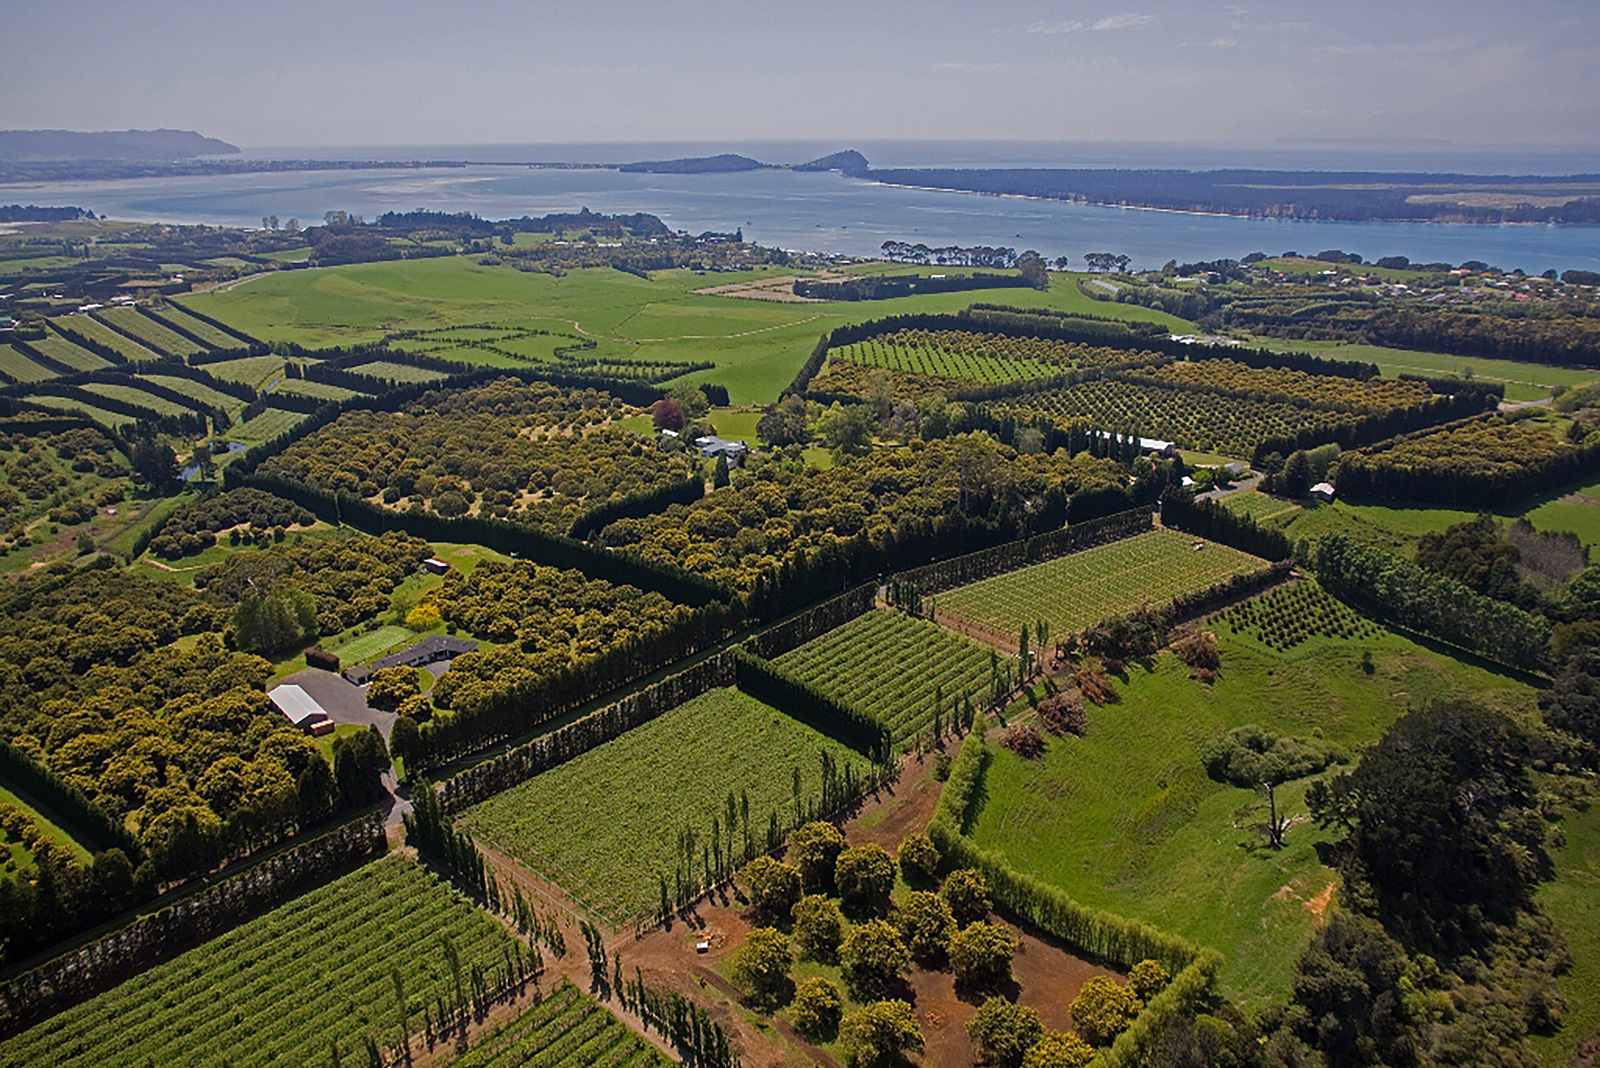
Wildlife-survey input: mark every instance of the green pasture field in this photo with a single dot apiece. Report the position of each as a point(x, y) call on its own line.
point(1398, 527)
point(61, 350)
point(758, 345)
point(568, 1029)
point(321, 390)
point(99, 415)
point(891, 665)
point(150, 332)
point(98, 331)
point(199, 328)
point(21, 856)
point(1126, 819)
point(201, 392)
point(289, 255)
point(256, 371)
point(19, 367)
point(1572, 900)
point(284, 988)
point(1523, 381)
point(603, 826)
point(1080, 589)
point(130, 395)
point(264, 427)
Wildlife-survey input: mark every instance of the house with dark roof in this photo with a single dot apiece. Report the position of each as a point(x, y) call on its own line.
point(428, 651)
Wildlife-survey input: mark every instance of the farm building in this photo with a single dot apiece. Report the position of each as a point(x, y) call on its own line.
point(1322, 491)
point(427, 651)
point(435, 565)
point(301, 709)
point(711, 447)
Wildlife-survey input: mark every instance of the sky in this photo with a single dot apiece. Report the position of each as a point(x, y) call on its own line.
point(384, 72)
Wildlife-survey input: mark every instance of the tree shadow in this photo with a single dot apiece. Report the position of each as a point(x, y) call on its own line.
point(976, 993)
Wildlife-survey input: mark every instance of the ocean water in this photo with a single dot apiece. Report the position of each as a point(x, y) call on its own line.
point(831, 213)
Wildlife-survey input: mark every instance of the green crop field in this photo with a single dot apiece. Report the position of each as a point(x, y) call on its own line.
point(257, 371)
point(129, 395)
point(63, 351)
point(891, 665)
point(98, 331)
point(568, 1029)
point(304, 387)
point(1126, 819)
point(282, 988)
point(201, 329)
point(397, 372)
point(604, 825)
point(201, 392)
point(98, 415)
point(1080, 589)
point(1259, 506)
point(149, 332)
point(266, 426)
point(1523, 381)
point(15, 365)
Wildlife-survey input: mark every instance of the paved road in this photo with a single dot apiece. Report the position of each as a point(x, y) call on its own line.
point(347, 703)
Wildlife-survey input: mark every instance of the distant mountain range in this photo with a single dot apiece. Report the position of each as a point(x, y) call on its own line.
point(848, 162)
point(32, 145)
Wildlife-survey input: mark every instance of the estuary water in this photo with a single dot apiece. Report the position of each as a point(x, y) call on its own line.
point(832, 213)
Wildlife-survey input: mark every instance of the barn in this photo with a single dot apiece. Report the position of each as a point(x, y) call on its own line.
point(301, 709)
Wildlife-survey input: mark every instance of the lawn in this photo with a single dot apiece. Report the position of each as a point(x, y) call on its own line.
point(1523, 381)
point(1398, 527)
point(1259, 506)
point(604, 825)
point(1080, 589)
point(372, 644)
point(1126, 819)
point(286, 987)
point(891, 666)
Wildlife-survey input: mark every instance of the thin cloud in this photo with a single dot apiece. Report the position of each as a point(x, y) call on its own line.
point(1224, 42)
point(1123, 22)
point(1111, 22)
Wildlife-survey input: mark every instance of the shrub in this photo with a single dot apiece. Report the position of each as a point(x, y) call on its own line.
point(814, 849)
point(1024, 740)
point(1005, 1032)
point(980, 954)
point(392, 685)
point(1062, 713)
point(1198, 650)
point(816, 1009)
point(423, 617)
point(1059, 1049)
point(761, 965)
point(874, 957)
point(818, 926)
point(919, 859)
point(926, 924)
point(967, 894)
point(1148, 978)
point(1102, 1010)
point(774, 886)
point(865, 876)
point(881, 1033)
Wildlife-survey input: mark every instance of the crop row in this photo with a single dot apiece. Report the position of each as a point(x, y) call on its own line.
point(892, 666)
point(566, 1030)
point(1327, 391)
point(149, 332)
point(1210, 422)
point(1076, 591)
point(1294, 614)
point(284, 987)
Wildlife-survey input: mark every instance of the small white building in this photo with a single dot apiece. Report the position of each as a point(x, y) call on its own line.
point(301, 709)
point(1322, 491)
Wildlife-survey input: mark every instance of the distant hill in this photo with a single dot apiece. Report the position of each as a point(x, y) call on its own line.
point(847, 162)
point(727, 163)
point(123, 144)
